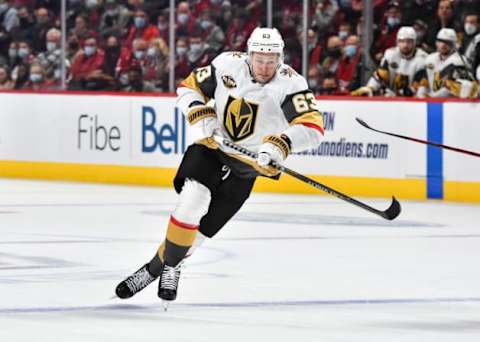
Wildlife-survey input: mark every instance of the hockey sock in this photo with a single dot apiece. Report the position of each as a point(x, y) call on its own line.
point(180, 237)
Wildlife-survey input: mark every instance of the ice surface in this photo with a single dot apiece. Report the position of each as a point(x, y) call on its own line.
point(287, 268)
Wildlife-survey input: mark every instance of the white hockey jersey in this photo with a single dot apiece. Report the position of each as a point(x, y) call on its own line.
point(449, 77)
point(247, 110)
point(398, 74)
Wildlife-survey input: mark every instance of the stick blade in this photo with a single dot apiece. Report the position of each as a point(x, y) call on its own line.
point(393, 211)
point(363, 123)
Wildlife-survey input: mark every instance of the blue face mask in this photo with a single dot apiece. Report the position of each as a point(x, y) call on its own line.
point(90, 50)
point(22, 52)
point(350, 50)
point(393, 21)
point(139, 54)
point(343, 35)
point(140, 22)
point(205, 24)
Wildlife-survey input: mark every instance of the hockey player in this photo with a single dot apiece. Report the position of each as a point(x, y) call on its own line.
point(401, 69)
point(447, 73)
point(261, 104)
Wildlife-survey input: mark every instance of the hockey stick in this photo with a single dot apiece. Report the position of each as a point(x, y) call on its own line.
point(392, 212)
point(364, 124)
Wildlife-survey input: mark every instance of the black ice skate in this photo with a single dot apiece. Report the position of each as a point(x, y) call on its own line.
point(167, 287)
point(135, 283)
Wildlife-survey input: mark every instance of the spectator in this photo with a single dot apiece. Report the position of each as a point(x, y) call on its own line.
point(51, 59)
point(25, 29)
point(185, 20)
point(444, 18)
point(314, 78)
point(73, 47)
point(329, 85)
point(5, 39)
point(157, 62)
point(25, 53)
point(212, 34)
point(386, 36)
point(471, 39)
point(136, 83)
point(38, 80)
point(128, 57)
point(413, 10)
point(141, 29)
point(81, 29)
point(349, 70)
point(20, 76)
point(41, 28)
point(9, 14)
point(13, 58)
point(5, 80)
point(199, 54)
point(344, 30)
point(87, 68)
point(238, 32)
point(182, 66)
point(324, 17)
point(225, 20)
point(447, 74)
point(114, 20)
point(112, 54)
point(420, 28)
point(313, 46)
point(162, 25)
point(334, 54)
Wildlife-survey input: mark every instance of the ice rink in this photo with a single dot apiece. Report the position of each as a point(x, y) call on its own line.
point(287, 268)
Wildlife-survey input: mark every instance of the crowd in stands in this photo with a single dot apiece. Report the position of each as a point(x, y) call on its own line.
point(123, 44)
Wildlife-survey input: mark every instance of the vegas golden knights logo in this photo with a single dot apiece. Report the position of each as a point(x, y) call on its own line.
point(239, 118)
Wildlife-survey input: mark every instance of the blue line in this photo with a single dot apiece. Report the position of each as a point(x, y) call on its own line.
point(435, 154)
point(134, 307)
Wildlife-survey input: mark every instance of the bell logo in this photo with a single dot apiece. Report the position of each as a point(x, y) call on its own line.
point(168, 138)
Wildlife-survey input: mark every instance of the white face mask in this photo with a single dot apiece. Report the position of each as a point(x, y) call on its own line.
point(139, 54)
point(151, 52)
point(51, 46)
point(470, 28)
point(181, 50)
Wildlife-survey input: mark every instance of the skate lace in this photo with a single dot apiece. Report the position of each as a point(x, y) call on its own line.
point(170, 276)
point(139, 280)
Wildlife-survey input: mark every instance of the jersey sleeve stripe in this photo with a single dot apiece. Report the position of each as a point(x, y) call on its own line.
point(311, 119)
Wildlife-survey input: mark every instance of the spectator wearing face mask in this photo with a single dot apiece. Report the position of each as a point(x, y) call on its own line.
point(24, 52)
point(25, 29)
point(349, 70)
point(333, 54)
point(112, 54)
point(6, 82)
point(314, 48)
point(344, 30)
point(141, 28)
point(81, 29)
point(42, 25)
point(157, 63)
point(38, 80)
point(186, 22)
point(182, 66)
point(9, 14)
point(87, 68)
point(162, 25)
point(51, 59)
point(471, 40)
point(137, 55)
point(92, 9)
point(386, 36)
point(212, 34)
point(13, 58)
point(314, 78)
point(199, 54)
